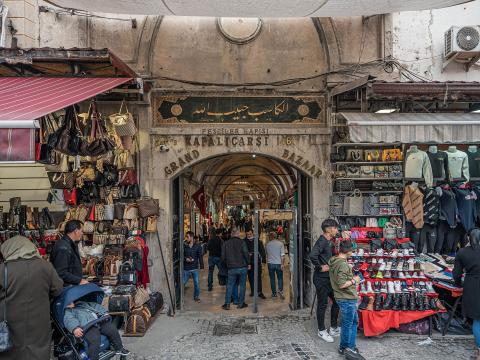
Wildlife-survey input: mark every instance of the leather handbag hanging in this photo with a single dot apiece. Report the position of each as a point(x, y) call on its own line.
point(122, 117)
point(127, 129)
point(124, 160)
point(61, 180)
point(151, 224)
point(70, 196)
point(354, 204)
point(109, 212)
point(148, 207)
point(88, 227)
point(118, 211)
point(355, 155)
point(60, 165)
point(100, 143)
point(127, 177)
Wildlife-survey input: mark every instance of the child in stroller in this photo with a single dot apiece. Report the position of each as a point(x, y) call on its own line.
point(78, 311)
point(90, 320)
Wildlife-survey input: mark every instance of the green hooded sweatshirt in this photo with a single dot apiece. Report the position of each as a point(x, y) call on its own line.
point(340, 273)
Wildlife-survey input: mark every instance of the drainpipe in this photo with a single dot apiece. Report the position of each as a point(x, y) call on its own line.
point(3, 22)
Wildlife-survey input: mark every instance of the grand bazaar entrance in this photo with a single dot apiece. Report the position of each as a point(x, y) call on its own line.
point(246, 189)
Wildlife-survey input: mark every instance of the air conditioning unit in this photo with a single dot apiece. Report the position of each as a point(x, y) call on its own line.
point(465, 40)
point(462, 44)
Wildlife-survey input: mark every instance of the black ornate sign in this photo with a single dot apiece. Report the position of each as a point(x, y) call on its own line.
point(234, 110)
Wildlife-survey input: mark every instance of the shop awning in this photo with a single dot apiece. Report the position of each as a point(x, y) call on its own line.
point(24, 99)
point(410, 128)
point(259, 8)
point(17, 145)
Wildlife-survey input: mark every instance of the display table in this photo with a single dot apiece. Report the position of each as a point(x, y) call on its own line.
point(456, 293)
point(375, 323)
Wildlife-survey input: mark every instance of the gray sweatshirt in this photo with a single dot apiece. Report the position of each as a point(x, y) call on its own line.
point(458, 164)
point(418, 166)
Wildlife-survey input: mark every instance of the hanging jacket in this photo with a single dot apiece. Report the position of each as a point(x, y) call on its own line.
point(439, 163)
point(417, 166)
point(458, 165)
point(431, 206)
point(466, 207)
point(448, 208)
point(413, 205)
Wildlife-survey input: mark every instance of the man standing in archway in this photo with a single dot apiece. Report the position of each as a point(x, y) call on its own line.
point(193, 258)
point(262, 258)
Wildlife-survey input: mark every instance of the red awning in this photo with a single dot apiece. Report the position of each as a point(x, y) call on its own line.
point(29, 98)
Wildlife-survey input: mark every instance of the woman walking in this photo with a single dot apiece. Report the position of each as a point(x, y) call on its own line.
point(30, 282)
point(468, 261)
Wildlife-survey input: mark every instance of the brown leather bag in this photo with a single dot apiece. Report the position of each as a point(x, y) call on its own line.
point(141, 297)
point(136, 325)
point(148, 207)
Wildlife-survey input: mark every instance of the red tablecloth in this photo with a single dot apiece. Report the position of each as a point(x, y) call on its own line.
point(377, 322)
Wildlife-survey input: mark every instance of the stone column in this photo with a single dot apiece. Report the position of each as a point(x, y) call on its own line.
point(22, 14)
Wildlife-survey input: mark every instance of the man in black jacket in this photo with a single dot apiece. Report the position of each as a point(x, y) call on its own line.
point(214, 248)
point(235, 257)
point(320, 255)
point(65, 256)
point(262, 258)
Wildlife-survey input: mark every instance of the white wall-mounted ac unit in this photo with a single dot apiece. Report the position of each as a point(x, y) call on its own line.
point(462, 44)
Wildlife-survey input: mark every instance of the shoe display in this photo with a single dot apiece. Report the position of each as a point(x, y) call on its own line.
point(412, 302)
point(411, 264)
point(383, 288)
point(397, 302)
point(388, 274)
point(360, 252)
point(400, 266)
point(363, 289)
point(401, 275)
point(376, 287)
point(366, 275)
point(426, 303)
point(325, 336)
point(398, 287)
point(404, 301)
point(404, 287)
point(369, 288)
point(388, 267)
point(422, 287)
point(379, 275)
point(391, 287)
point(415, 275)
point(433, 304)
point(439, 304)
point(388, 304)
point(420, 302)
point(364, 304)
point(378, 304)
point(382, 267)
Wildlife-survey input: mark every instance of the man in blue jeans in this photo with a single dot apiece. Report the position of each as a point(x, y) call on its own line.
point(344, 285)
point(214, 248)
point(275, 259)
point(235, 256)
point(193, 258)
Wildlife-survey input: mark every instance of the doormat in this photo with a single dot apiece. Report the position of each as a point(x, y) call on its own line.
point(234, 328)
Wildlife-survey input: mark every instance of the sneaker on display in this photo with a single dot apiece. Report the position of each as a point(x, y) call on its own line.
point(411, 264)
point(411, 252)
point(379, 252)
point(421, 275)
point(363, 289)
point(379, 275)
point(398, 286)
point(376, 287)
point(384, 287)
point(369, 288)
point(360, 252)
point(401, 275)
point(394, 253)
point(415, 275)
point(407, 275)
point(391, 287)
point(404, 287)
point(382, 267)
point(422, 286)
point(381, 261)
point(334, 331)
point(400, 266)
point(388, 274)
point(406, 252)
point(374, 261)
point(325, 336)
point(388, 266)
point(429, 286)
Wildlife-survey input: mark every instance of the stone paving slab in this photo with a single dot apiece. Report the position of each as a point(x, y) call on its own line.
point(292, 336)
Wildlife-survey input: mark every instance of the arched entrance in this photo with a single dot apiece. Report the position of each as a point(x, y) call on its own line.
point(234, 186)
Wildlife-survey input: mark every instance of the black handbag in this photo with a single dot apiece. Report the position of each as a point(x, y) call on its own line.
point(5, 338)
point(119, 303)
point(155, 303)
point(127, 274)
point(125, 290)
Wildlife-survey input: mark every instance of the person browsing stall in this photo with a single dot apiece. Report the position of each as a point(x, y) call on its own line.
point(344, 285)
point(275, 262)
point(65, 256)
point(320, 255)
point(467, 261)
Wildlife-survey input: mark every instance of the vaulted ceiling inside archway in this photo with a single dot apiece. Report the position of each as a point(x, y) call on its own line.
point(233, 178)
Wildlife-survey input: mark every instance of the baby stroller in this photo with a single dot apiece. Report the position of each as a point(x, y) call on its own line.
point(67, 346)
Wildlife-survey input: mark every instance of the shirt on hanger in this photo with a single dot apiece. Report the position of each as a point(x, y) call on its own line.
point(418, 166)
point(431, 206)
point(439, 163)
point(474, 163)
point(466, 207)
point(458, 165)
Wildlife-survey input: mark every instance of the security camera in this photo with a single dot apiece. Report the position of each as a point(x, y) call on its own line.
point(164, 148)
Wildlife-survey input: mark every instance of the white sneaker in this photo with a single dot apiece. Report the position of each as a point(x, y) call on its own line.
point(429, 286)
point(361, 252)
point(324, 335)
point(398, 287)
point(334, 331)
point(369, 288)
point(391, 287)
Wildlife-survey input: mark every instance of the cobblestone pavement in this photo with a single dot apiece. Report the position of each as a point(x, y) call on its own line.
point(289, 336)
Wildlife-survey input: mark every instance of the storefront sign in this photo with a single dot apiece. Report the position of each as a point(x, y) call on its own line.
point(229, 109)
point(174, 166)
point(302, 163)
point(228, 141)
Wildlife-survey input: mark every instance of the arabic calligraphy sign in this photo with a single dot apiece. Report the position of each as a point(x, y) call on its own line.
point(204, 110)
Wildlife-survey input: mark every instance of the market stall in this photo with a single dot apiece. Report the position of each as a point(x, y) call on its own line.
point(408, 202)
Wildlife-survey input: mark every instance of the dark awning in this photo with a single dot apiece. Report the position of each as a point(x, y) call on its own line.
point(410, 128)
